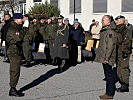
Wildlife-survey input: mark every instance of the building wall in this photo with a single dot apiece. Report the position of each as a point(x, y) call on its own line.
point(87, 15)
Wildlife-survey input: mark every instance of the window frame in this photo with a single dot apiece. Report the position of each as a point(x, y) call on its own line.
point(76, 12)
point(99, 13)
point(125, 11)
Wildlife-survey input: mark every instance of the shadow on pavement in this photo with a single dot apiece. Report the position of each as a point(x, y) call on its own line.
point(42, 78)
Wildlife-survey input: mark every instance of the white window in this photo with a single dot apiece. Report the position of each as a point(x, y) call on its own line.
point(77, 4)
point(127, 5)
point(54, 2)
point(99, 6)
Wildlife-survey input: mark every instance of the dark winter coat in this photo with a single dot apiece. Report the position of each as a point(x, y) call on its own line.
point(62, 37)
point(77, 35)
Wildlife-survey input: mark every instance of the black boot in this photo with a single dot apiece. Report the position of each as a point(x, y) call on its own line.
point(14, 92)
point(124, 88)
point(27, 64)
point(55, 61)
point(61, 65)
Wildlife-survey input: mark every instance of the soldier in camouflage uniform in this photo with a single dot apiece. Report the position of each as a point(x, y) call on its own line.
point(14, 40)
point(124, 51)
point(49, 33)
point(27, 42)
point(38, 36)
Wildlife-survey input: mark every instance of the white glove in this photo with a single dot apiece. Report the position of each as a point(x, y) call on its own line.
point(26, 24)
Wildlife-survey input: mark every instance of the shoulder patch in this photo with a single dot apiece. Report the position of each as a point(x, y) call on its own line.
point(17, 33)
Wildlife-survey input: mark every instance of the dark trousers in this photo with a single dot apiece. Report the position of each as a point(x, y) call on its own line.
point(95, 42)
point(73, 53)
point(111, 79)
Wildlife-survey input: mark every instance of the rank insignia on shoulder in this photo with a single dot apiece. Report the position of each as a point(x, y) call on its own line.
point(110, 35)
point(17, 33)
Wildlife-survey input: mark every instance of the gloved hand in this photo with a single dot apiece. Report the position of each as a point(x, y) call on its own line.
point(26, 24)
point(125, 55)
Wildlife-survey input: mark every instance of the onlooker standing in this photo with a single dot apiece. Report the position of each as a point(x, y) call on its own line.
point(61, 43)
point(124, 51)
point(93, 23)
point(66, 22)
point(76, 39)
point(105, 54)
point(7, 21)
point(95, 33)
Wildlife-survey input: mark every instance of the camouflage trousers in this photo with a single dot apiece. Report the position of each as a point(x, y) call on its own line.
point(123, 69)
point(27, 51)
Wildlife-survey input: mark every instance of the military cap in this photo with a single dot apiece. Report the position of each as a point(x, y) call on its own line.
point(93, 20)
point(42, 18)
point(17, 16)
point(66, 19)
point(119, 17)
point(26, 15)
point(34, 17)
point(60, 17)
point(52, 15)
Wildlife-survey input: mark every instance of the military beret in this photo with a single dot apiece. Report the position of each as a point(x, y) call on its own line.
point(75, 21)
point(66, 19)
point(60, 17)
point(17, 16)
point(52, 15)
point(42, 18)
point(119, 17)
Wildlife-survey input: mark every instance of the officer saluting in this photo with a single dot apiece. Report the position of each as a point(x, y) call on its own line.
point(124, 51)
point(14, 39)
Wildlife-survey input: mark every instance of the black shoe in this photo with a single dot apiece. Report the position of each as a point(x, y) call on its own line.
point(123, 88)
point(6, 60)
point(27, 64)
point(14, 92)
point(60, 69)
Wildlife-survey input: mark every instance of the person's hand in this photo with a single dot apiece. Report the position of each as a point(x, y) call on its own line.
point(64, 45)
point(26, 23)
point(105, 62)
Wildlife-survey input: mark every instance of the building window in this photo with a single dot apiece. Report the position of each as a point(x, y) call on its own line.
point(127, 5)
point(54, 2)
point(22, 1)
point(37, 0)
point(77, 6)
point(99, 6)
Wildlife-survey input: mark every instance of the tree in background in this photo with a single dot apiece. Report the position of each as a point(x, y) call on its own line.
point(44, 10)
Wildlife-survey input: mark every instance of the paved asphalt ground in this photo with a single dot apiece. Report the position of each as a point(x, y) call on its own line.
point(82, 82)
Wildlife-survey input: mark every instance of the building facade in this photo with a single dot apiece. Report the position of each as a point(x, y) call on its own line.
point(87, 10)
